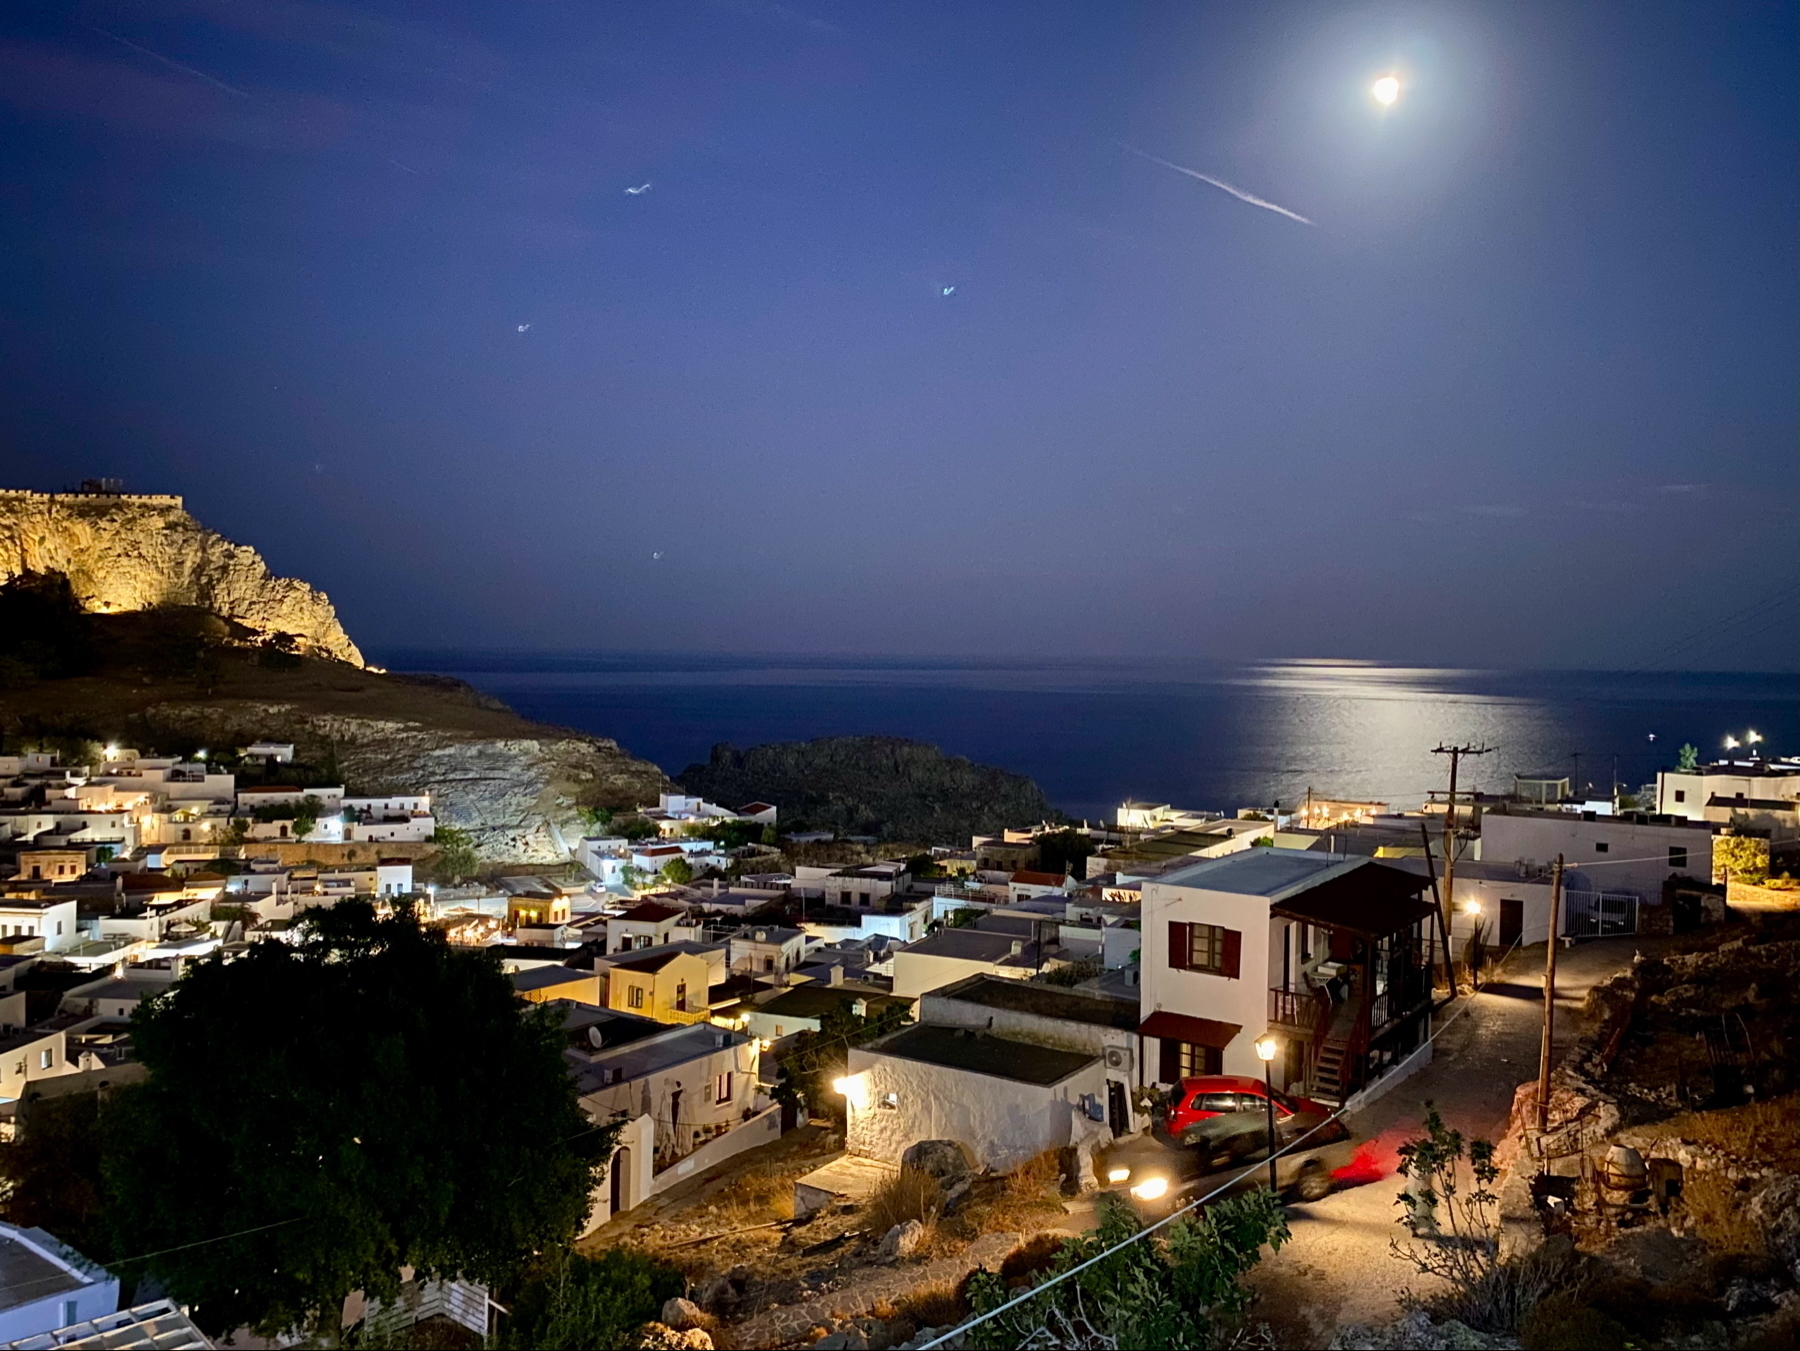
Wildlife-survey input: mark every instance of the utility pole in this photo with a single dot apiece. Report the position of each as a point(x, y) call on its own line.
point(1543, 1093)
point(1431, 872)
point(1456, 754)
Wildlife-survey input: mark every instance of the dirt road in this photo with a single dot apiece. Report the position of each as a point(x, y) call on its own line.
point(1338, 1269)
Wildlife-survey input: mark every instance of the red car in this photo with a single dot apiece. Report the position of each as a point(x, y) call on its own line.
point(1195, 1100)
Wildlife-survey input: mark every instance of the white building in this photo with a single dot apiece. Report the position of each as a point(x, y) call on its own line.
point(1006, 1101)
point(46, 1285)
point(951, 955)
point(1632, 854)
point(694, 1080)
point(766, 950)
point(401, 817)
point(1762, 795)
point(52, 919)
point(1330, 955)
point(1048, 1015)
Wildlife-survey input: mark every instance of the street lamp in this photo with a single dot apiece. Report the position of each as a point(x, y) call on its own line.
point(1265, 1052)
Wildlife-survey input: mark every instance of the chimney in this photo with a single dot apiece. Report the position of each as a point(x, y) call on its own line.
point(834, 975)
point(1018, 946)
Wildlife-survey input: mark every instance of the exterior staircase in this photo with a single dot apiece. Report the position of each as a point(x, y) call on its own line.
point(1328, 1068)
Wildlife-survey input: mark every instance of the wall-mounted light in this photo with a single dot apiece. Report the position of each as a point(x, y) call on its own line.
point(855, 1088)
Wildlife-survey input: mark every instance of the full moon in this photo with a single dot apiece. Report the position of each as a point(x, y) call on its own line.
point(1387, 89)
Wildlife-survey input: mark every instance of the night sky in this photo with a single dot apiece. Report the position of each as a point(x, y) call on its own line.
point(365, 284)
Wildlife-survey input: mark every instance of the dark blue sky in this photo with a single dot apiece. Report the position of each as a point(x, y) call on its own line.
point(1523, 393)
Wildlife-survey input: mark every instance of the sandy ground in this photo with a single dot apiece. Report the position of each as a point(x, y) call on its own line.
point(1338, 1269)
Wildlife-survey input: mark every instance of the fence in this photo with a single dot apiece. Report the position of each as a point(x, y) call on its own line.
point(1599, 914)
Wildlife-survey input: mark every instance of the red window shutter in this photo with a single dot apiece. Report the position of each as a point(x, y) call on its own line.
point(1178, 945)
point(1232, 955)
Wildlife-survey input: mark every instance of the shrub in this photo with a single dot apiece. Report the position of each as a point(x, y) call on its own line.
point(1036, 1254)
point(572, 1301)
point(1563, 1323)
point(1179, 1287)
point(910, 1194)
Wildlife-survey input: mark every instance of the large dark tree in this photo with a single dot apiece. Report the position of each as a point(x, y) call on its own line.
point(375, 1096)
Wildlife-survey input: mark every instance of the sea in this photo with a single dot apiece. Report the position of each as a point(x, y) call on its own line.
point(1203, 736)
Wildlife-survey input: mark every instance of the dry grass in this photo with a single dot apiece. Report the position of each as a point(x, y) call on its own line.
point(909, 1194)
point(1036, 1173)
point(758, 1195)
point(1765, 1132)
point(1017, 1202)
point(1716, 1207)
point(932, 1306)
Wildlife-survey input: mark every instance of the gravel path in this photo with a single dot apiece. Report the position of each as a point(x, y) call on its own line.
point(1337, 1268)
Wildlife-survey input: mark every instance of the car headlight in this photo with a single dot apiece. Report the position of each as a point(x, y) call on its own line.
point(1151, 1188)
point(1115, 1176)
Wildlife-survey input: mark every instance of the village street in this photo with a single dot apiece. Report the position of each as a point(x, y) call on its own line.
point(1338, 1268)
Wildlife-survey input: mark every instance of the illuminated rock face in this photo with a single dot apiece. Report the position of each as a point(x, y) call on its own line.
point(125, 552)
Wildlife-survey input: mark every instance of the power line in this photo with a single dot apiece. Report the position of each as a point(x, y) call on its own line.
point(1027, 1295)
point(1723, 624)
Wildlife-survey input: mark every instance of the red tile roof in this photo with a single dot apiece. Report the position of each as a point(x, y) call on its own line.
point(1031, 879)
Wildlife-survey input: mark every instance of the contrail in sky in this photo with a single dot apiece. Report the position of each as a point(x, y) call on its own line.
point(173, 65)
point(1218, 183)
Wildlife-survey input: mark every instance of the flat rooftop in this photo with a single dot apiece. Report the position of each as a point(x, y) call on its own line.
point(655, 1054)
point(959, 1049)
point(1043, 1001)
point(26, 1275)
point(814, 1001)
point(1255, 872)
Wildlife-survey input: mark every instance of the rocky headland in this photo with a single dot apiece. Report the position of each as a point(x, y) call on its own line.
point(124, 620)
point(132, 552)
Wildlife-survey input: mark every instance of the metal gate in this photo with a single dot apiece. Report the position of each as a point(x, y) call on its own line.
point(1599, 914)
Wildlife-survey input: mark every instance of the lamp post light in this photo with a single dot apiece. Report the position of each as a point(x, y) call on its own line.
point(1265, 1052)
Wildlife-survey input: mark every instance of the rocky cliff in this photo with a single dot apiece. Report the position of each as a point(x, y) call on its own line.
point(871, 785)
point(517, 790)
point(125, 553)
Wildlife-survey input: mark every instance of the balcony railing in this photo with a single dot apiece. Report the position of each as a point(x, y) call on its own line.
point(1295, 1008)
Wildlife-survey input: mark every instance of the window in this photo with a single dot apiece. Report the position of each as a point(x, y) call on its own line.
point(1183, 1060)
point(1681, 795)
point(1205, 947)
point(643, 940)
point(681, 997)
point(1218, 1102)
point(722, 1088)
point(634, 997)
point(888, 1102)
point(71, 1312)
point(768, 963)
point(1678, 856)
point(1601, 847)
point(43, 1060)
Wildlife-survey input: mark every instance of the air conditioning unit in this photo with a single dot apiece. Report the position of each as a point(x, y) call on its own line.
point(1118, 1058)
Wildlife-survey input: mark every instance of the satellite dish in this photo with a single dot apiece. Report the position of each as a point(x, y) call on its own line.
point(595, 1039)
